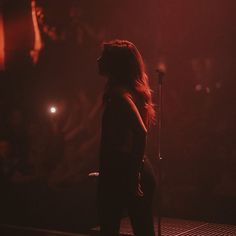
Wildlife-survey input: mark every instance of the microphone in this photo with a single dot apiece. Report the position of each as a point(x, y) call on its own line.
point(161, 71)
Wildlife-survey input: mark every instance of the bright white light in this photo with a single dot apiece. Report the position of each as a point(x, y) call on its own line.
point(53, 109)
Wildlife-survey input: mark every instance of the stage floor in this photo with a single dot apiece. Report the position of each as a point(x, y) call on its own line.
point(180, 227)
point(169, 227)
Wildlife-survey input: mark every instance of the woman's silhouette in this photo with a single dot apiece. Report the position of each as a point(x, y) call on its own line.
point(124, 182)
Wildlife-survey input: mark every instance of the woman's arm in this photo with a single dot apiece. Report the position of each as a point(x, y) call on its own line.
point(125, 103)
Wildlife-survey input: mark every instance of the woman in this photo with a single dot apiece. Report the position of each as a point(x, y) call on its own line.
point(128, 110)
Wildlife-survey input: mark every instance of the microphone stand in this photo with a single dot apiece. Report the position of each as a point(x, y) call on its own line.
point(161, 75)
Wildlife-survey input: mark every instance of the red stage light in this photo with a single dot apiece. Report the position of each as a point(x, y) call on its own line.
point(2, 62)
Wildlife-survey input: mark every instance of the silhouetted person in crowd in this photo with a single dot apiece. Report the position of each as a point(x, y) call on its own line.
point(124, 180)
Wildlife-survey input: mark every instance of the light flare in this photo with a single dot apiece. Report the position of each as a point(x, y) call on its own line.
point(53, 110)
point(2, 54)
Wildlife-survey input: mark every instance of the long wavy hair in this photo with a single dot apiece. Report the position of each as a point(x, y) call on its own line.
point(124, 65)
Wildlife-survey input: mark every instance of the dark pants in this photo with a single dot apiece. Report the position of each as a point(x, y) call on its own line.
point(114, 199)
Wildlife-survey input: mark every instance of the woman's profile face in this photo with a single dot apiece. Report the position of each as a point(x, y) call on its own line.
point(117, 62)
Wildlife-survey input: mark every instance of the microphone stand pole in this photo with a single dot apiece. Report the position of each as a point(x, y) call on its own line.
point(159, 123)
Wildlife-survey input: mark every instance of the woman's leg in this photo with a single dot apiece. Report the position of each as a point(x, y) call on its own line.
point(110, 213)
point(140, 212)
point(140, 208)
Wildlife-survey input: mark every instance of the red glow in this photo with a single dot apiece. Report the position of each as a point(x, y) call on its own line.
point(37, 38)
point(2, 56)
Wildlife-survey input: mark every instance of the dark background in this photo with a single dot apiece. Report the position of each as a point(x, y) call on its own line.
point(45, 158)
